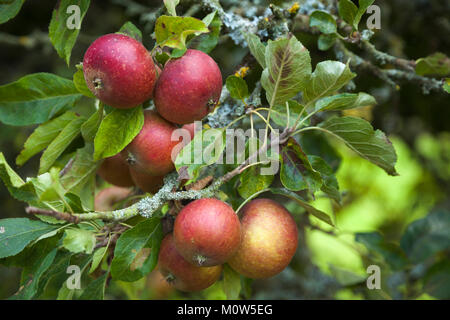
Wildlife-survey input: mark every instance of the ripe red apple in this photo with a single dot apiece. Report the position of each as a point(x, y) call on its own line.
point(180, 273)
point(207, 232)
point(146, 182)
point(115, 170)
point(119, 71)
point(150, 151)
point(269, 240)
point(188, 88)
point(106, 198)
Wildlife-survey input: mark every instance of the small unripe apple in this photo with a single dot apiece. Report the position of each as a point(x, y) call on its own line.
point(207, 232)
point(151, 150)
point(146, 182)
point(114, 170)
point(108, 197)
point(269, 240)
point(119, 71)
point(181, 274)
point(189, 88)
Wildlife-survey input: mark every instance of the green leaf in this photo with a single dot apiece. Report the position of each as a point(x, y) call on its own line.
point(129, 29)
point(327, 78)
point(323, 21)
point(81, 171)
point(97, 258)
point(17, 233)
point(309, 208)
point(257, 48)
point(90, 127)
point(345, 277)
point(437, 64)
point(288, 70)
point(16, 186)
point(79, 240)
point(136, 251)
point(56, 275)
point(326, 41)
point(116, 131)
point(205, 149)
point(359, 136)
point(96, 289)
point(347, 11)
point(60, 143)
point(170, 5)
point(330, 184)
point(36, 98)
point(279, 113)
point(208, 41)
point(173, 31)
point(80, 83)
point(9, 9)
point(31, 286)
point(296, 170)
point(63, 31)
point(54, 191)
point(437, 280)
point(237, 87)
point(231, 283)
point(345, 101)
point(43, 136)
point(390, 252)
point(252, 181)
point(363, 5)
point(425, 237)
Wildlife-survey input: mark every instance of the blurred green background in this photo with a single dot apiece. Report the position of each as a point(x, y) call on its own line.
point(417, 124)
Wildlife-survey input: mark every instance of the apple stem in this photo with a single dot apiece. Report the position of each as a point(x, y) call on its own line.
point(200, 259)
point(98, 84)
point(170, 278)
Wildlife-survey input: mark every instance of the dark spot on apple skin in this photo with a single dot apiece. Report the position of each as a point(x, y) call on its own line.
point(163, 25)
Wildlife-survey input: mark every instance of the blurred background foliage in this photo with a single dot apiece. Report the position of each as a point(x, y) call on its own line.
point(329, 263)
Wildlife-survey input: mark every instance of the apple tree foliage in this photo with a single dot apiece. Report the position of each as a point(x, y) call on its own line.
point(291, 94)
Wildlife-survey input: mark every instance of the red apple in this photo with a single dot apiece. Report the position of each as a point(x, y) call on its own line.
point(180, 273)
point(189, 88)
point(115, 170)
point(146, 182)
point(151, 150)
point(207, 232)
point(119, 71)
point(106, 198)
point(269, 240)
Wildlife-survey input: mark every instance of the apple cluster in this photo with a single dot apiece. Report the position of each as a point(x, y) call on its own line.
point(121, 73)
point(207, 233)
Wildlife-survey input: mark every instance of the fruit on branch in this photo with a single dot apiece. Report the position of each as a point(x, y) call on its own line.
point(119, 71)
point(189, 88)
point(108, 197)
point(207, 232)
point(115, 170)
point(269, 240)
point(151, 150)
point(146, 182)
point(181, 274)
